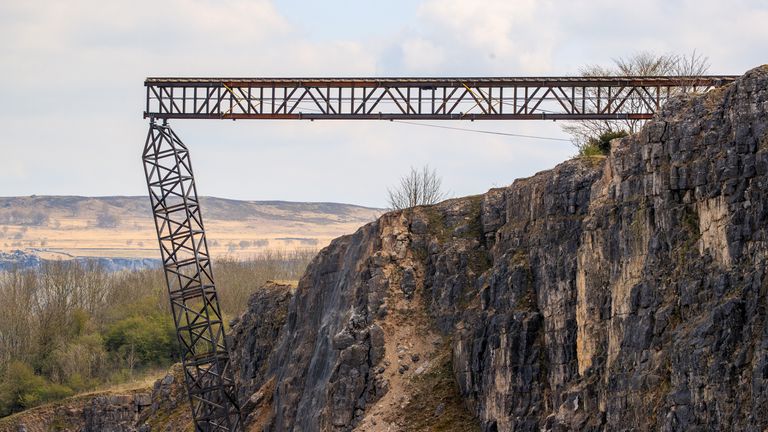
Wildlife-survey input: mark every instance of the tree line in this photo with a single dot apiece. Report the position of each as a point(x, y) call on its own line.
point(69, 327)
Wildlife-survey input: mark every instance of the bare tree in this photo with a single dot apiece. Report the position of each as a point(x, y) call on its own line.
point(694, 65)
point(17, 331)
point(640, 64)
point(419, 187)
point(130, 357)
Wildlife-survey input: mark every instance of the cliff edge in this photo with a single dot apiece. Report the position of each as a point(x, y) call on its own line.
point(626, 292)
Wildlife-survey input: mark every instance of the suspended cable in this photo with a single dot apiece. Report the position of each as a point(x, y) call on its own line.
point(481, 131)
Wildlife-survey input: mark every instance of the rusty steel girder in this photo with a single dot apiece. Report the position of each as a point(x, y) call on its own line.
point(557, 98)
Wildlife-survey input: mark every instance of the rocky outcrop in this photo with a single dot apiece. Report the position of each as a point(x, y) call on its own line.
point(169, 409)
point(615, 293)
point(101, 412)
point(251, 341)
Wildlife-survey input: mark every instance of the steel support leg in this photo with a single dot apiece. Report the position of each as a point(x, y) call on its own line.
point(188, 272)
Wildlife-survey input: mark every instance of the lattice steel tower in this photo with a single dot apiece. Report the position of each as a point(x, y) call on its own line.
point(187, 264)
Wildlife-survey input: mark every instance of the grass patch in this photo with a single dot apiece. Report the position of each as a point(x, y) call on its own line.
point(589, 151)
point(691, 235)
point(526, 302)
point(442, 230)
point(431, 390)
point(436, 225)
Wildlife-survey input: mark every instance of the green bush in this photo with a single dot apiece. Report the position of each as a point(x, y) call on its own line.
point(601, 145)
point(143, 340)
point(590, 150)
point(21, 389)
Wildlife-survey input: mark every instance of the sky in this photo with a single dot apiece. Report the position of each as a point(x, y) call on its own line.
point(71, 83)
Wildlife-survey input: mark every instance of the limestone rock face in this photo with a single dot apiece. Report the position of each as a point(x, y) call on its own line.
point(252, 339)
point(114, 413)
point(104, 413)
point(618, 293)
point(255, 332)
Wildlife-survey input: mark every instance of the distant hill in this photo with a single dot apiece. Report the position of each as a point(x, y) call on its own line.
point(122, 227)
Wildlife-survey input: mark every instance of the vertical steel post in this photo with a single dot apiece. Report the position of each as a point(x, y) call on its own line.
point(194, 304)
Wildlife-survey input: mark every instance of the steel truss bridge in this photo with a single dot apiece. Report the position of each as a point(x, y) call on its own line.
point(178, 218)
point(417, 98)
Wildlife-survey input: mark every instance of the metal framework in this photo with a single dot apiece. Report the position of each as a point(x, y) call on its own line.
point(188, 273)
point(560, 98)
point(178, 220)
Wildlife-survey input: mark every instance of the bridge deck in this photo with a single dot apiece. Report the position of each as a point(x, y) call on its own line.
point(471, 98)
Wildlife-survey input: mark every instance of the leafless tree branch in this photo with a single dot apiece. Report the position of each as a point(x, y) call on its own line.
point(418, 187)
point(640, 64)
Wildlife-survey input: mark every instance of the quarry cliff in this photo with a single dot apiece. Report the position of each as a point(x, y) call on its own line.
point(617, 293)
point(625, 292)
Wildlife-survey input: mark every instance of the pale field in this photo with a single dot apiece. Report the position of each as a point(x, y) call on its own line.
point(75, 233)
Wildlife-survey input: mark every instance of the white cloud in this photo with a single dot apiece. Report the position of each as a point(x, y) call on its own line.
point(500, 34)
point(90, 42)
point(72, 85)
point(539, 37)
point(422, 55)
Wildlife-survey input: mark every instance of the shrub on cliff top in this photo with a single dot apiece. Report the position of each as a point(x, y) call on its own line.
point(602, 144)
point(21, 388)
point(142, 340)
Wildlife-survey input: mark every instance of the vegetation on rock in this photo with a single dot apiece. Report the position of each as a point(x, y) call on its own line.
point(584, 132)
point(601, 145)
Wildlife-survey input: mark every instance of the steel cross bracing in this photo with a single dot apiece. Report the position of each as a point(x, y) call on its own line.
point(188, 273)
point(194, 303)
point(557, 98)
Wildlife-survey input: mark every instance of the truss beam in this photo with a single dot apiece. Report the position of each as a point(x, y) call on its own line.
point(558, 98)
point(188, 273)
